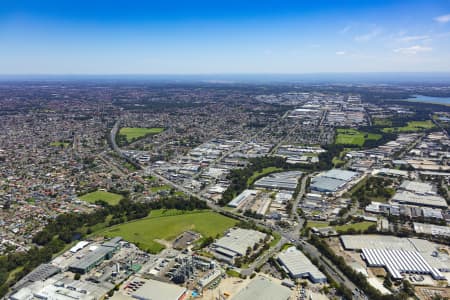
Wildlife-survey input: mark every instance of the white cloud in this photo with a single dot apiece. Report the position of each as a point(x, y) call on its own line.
point(345, 29)
point(368, 36)
point(340, 53)
point(413, 38)
point(413, 50)
point(443, 19)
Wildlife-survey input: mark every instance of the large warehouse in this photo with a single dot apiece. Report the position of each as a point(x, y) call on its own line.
point(298, 265)
point(235, 243)
point(398, 262)
point(280, 181)
point(263, 288)
point(331, 181)
point(399, 255)
point(405, 197)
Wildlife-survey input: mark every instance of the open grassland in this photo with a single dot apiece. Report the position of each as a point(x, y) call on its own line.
point(382, 122)
point(134, 133)
point(265, 171)
point(110, 198)
point(60, 144)
point(356, 226)
point(354, 137)
point(167, 225)
point(412, 126)
point(156, 189)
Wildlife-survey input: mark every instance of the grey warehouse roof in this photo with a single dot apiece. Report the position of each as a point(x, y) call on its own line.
point(262, 288)
point(340, 174)
point(91, 258)
point(299, 265)
point(326, 184)
point(284, 180)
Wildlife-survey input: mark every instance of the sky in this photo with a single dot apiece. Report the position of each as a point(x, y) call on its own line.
point(223, 37)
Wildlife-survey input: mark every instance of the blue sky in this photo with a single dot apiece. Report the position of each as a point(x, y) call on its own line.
point(204, 37)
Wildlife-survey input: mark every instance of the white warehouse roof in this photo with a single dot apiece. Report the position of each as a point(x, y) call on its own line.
point(299, 266)
point(400, 261)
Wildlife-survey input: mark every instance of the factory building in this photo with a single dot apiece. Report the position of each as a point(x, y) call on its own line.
point(235, 243)
point(398, 262)
point(297, 265)
point(95, 256)
point(263, 288)
point(332, 181)
point(280, 181)
point(242, 198)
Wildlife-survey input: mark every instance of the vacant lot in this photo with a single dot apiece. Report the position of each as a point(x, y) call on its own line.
point(354, 137)
point(134, 133)
point(356, 226)
point(110, 198)
point(167, 225)
point(412, 126)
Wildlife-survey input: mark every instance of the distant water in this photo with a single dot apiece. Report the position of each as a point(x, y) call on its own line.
point(428, 99)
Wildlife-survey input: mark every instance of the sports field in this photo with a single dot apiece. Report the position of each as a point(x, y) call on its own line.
point(110, 198)
point(354, 137)
point(412, 126)
point(133, 133)
point(167, 225)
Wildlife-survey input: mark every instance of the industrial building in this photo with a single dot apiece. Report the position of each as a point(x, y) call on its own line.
point(280, 181)
point(61, 287)
point(398, 262)
point(427, 251)
point(406, 197)
point(420, 188)
point(149, 289)
point(242, 198)
point(95, 257)
point(432, 229)
point(41, 273)
point(297, 265)
point(332, 180)
point(235, 243)
point(262, 288)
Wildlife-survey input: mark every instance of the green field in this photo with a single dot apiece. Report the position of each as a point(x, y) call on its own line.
point(412, 126)
point(134, 133)
point(110, 198)
point(382, 122)
point(167, 225)
point(156, 189)
point(354, 137)
point(356, 226)
point(60, 144)
point(263, 172)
